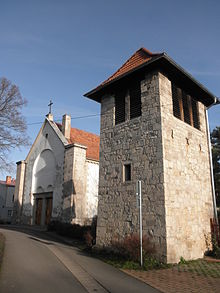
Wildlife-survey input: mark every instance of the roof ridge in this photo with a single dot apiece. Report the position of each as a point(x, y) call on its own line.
point(117, 72)
point(127, 61)
point(85, 131)
point(80, 130)
point(149, 52)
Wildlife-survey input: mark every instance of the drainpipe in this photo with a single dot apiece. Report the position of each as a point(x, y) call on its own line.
point(216, 102)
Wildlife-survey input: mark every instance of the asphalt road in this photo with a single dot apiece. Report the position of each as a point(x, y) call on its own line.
point(34, 263)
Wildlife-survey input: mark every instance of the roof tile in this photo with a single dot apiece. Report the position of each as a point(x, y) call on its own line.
point(140, 57)
point(90, 140)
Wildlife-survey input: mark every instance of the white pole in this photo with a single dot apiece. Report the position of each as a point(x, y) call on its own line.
point(140, 219)
point(139, 206)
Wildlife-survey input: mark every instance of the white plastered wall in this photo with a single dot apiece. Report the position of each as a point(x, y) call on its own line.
point(46, 146)
point(92, 182)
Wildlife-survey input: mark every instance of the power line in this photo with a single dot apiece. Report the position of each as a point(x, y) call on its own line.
point(92, 115)
point(72, 118)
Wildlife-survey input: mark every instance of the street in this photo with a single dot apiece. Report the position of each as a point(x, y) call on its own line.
point(35, 263)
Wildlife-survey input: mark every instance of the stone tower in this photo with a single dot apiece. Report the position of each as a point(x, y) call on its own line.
point(153, 129)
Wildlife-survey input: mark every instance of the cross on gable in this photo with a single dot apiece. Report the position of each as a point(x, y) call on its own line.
point(50, 105)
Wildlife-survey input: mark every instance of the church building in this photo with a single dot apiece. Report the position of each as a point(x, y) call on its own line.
point(59, 178)
point(154, 129)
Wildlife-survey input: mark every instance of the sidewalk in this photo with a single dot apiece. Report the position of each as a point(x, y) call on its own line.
point(175, 281)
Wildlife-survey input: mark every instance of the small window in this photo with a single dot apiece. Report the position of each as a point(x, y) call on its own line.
point(46, 135)
point(13, 198)
point(9, 213)
point(127, 172)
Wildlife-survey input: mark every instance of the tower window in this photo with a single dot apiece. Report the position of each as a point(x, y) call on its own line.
point(127, 172)
point(185, 107)
point(119, 107)
point(135, 100)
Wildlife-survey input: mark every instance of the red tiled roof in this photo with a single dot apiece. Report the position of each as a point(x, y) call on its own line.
point(90, 140)
point(139, 57)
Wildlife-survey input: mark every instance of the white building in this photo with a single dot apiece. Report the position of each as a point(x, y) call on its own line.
point(7, 190)
point(59, 178)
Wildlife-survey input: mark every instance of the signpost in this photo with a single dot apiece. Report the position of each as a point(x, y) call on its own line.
point(139, 201)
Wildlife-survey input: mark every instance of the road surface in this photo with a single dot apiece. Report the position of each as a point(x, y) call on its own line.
point(34, 263)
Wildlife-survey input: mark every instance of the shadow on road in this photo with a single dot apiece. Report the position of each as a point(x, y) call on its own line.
point(41, 241)
point(35, 231)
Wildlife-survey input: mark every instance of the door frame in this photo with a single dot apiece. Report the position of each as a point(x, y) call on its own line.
point(43, 196)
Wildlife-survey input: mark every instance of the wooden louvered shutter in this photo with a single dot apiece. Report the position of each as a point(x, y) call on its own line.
point(176, 102)
point(119, 107)
point(186, 108)
point(135, 100)
point(195, 114)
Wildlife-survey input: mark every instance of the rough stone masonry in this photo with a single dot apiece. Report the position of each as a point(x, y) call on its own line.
point(169, 156)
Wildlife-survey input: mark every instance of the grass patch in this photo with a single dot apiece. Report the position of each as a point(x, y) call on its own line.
point(150, 263)
point(2, 246)
point(201, 267)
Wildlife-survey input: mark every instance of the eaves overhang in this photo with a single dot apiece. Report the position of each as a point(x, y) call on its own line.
point(167, 66)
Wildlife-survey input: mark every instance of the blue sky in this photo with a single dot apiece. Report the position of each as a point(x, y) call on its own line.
point(59, 50)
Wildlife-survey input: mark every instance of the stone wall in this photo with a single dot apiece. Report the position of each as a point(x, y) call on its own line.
point(187, 183)
point(138, 142)
point(80, 187)
point(172, 160)
point(19, 188)
point(79, 183)
point(68, 186)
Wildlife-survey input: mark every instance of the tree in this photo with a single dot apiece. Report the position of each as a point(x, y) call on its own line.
point(215, 140)
point(12, 123)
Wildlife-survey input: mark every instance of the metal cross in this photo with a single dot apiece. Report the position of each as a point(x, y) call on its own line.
point(49, 105)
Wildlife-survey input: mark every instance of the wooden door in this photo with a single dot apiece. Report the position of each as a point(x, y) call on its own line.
point(49, 203)
point(39, 204)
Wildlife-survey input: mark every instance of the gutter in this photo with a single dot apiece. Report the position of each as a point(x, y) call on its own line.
point(216, 102)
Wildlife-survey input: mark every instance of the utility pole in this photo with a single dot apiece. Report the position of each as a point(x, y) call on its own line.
point(139, 200)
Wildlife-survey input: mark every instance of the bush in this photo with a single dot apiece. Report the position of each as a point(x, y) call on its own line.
point(215, 248)
point(70, 230)
point(84, 233)
point(90, 235)
point(129, 247)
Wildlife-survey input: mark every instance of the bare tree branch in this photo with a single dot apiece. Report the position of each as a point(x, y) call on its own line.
point(13, 126)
